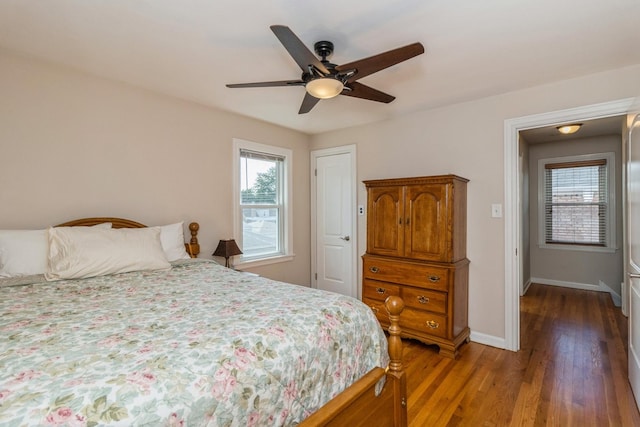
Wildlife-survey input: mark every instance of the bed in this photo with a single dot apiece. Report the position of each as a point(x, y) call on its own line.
point(191, 344)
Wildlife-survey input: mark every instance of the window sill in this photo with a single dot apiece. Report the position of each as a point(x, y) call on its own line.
point(579, 248)
point(264, 261)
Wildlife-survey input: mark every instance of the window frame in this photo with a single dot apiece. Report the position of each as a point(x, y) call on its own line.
point(610, 239)
point(286, 220)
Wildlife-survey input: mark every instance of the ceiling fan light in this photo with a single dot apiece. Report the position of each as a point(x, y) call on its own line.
point(324, 87)
point(569, 129)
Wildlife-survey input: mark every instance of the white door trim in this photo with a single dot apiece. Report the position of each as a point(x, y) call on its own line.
point(346, 149)
point(512, 214)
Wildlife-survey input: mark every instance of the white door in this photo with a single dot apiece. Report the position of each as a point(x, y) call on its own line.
point(633, 266)
point(335, 266)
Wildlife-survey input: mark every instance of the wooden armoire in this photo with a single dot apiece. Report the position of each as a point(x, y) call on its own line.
point(416, 248)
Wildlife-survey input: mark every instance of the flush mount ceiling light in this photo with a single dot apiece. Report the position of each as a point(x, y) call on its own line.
point(324, 88)
point(569, 129)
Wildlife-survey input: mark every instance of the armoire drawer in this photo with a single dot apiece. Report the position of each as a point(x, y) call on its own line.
point(409, 273)
point(379, 290)
point(424, 322)
point(424, 299)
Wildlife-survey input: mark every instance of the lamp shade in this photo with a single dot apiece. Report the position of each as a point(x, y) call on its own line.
point(569, 129)
point(226, 249)
point(324, 87)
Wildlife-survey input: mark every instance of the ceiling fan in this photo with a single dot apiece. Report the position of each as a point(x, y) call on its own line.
point(324, 80)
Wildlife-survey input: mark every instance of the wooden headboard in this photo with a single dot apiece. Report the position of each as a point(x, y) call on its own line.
point(192, 247)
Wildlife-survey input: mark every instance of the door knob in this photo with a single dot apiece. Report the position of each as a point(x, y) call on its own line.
point(346, 238)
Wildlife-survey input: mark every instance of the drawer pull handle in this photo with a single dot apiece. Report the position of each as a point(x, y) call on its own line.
point(433, 324)
point(434, 279)
point(381, 290)
point(374, 269)
point(422, 299)
point(374, 309)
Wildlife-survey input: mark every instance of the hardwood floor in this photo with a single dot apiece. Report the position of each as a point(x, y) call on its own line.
point(571, 370)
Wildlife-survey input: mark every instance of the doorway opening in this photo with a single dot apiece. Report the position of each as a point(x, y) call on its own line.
point(513, 197)
point(571, 203)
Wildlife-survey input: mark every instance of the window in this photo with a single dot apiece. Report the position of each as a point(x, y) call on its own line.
point(577, 202)
point(262, 209)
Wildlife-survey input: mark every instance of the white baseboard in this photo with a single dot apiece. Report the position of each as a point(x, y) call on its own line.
point(564, 284)
point(485, 339)
point(526, 287)
point(615, 297)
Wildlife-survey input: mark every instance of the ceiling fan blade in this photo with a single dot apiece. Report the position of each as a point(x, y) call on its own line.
point(372, 64)
point(298, 51)
point(308, 103)
point(269, 84)
point(358, 90)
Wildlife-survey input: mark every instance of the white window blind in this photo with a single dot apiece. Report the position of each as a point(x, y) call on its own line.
point(576, 203)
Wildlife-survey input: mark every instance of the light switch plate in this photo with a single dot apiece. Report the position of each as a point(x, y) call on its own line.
point(496, 210)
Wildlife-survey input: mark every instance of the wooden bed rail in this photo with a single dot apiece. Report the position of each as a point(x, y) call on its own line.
point(192, 247)
point(358, 406)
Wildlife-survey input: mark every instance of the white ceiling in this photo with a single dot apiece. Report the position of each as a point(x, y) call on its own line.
point(589, 128)
point(191, 48)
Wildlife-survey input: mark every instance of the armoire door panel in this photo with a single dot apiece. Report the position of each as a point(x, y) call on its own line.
point(384, 234)
point(426, 223)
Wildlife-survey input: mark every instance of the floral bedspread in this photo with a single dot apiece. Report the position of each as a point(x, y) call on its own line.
point(198, 345)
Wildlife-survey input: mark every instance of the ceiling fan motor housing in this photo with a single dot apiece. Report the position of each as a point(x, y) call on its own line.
point(324, 49)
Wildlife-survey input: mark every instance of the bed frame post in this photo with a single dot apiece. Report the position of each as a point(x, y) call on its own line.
point(359, 405)
point(193, 247)
point(394, 306)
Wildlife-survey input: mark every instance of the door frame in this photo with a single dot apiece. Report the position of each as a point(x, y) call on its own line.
point(314, 154)
point(512, 192)
point(631, 267)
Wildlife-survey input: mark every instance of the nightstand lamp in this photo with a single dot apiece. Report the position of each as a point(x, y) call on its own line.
point(226, 249)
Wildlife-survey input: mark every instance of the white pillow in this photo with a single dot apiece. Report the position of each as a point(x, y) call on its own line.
point(24, 252)
point(77, 253)
point(172, 239)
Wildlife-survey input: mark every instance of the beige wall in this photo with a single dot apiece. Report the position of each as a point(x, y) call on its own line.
point(73, 146)
point(467, 139)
